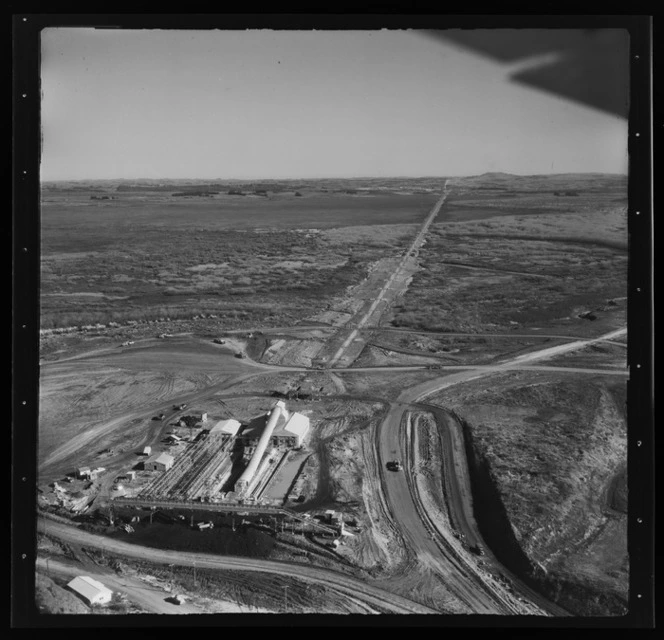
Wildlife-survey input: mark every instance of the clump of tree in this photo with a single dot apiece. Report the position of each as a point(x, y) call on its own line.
point(199, 194)
point(236, 192)
point(565, 193)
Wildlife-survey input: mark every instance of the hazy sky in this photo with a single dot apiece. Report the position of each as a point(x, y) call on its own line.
point(280, 104)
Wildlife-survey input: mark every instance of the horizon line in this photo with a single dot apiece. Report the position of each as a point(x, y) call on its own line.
point(365, 177)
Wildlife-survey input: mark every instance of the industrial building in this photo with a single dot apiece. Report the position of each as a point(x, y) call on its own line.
point(162, 462)
point(230, 460)
point(289, 430)
point(226, 427)
point(92, 591)
point(292, 431)
point(281, 428)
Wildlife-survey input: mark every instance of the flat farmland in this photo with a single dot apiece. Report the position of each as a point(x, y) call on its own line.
point(127, 215)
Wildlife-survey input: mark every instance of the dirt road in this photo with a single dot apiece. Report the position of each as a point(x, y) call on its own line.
point(148, 598)
point(421, 391)
point(533, 335)
point(467, 584)
point(369, 594)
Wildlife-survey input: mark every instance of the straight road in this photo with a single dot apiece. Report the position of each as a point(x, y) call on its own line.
point(408, 257)
point(421, 391)
point(447, 334)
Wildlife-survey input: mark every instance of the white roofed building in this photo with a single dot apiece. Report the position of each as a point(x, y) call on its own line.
point(293, 430)
point(92, 591)
point(226, 427)
point(162, 462)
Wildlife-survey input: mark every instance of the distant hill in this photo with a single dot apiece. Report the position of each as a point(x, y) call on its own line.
point(543, 182)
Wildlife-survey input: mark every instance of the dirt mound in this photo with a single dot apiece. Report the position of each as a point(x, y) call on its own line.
point(52, 598)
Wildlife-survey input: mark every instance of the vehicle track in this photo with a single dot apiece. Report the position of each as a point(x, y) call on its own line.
point(399, 492)
point(372, 595)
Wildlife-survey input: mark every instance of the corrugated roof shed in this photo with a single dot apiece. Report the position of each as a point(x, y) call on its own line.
point(92, 590)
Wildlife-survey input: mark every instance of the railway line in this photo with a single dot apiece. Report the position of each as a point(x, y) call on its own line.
point(408, 257)
point(403, 498)
point(372, 595)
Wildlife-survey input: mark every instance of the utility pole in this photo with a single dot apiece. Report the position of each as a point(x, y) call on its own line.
point(194, 573)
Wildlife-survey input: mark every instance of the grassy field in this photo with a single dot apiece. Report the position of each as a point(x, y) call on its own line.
point(150, 255)
point(510, 252)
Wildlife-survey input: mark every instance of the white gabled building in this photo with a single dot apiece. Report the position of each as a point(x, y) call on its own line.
point(162, 462)
point(225, 427)
point(292, 431)
point(298, 425)
point(92, 591)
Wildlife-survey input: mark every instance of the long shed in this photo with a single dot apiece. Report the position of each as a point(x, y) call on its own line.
point(92, 591)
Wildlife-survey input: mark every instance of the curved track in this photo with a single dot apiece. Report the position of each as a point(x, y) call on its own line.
point(405, 504)
point(357, 589)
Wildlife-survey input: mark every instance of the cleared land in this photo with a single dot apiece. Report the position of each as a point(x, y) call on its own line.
point(512, 265)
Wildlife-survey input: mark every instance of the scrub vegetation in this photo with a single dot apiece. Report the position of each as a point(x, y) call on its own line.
point(146, 255)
